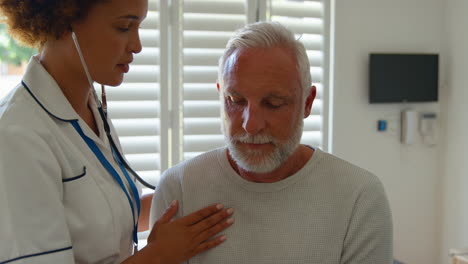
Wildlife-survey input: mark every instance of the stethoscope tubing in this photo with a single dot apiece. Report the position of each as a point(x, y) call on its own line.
point(103, 115)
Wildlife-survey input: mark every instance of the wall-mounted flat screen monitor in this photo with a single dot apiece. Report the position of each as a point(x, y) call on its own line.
point(398, 78)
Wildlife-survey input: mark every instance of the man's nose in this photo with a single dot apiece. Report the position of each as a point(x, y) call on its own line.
point(253, 119)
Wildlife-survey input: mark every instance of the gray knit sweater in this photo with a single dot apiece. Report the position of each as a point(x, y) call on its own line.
point(329, 212)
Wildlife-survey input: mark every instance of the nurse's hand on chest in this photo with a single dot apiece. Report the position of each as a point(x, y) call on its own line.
point(175, 241)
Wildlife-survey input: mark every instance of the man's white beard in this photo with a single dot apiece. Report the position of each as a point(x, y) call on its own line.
point(259, 161)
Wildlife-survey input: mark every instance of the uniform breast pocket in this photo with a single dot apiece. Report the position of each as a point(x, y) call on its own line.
point(76, 177)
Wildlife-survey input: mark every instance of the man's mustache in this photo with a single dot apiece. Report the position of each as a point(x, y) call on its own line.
point(254, 139)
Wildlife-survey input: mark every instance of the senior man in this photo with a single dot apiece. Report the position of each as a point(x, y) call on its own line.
point(294, 203)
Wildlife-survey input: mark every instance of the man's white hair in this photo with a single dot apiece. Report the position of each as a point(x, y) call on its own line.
point(267, 35)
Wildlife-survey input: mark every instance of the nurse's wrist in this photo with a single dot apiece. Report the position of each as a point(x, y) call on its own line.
point(147, 255)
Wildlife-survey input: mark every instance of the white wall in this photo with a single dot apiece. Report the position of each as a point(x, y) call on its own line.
point(455, 185)
point(410, 174)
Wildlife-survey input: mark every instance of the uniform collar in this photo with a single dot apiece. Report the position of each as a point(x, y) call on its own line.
point(46, 92)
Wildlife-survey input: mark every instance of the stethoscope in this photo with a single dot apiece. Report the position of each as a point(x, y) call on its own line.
point(102, 108)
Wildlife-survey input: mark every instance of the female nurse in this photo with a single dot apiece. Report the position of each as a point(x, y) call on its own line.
point(65, 196)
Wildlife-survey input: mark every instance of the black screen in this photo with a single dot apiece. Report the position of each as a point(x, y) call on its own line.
point(403, 78)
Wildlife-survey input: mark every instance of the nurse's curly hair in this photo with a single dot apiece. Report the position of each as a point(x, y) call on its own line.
point(33, 22)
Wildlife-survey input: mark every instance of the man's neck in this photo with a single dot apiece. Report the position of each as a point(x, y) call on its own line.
point(293, 164)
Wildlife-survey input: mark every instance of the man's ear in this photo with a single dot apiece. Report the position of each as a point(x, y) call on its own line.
point(309, 101)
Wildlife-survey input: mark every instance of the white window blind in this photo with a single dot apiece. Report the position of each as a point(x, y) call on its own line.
point(208, 25)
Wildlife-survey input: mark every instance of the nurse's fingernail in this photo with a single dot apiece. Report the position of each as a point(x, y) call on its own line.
point(173, 203)
point(219, 206)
